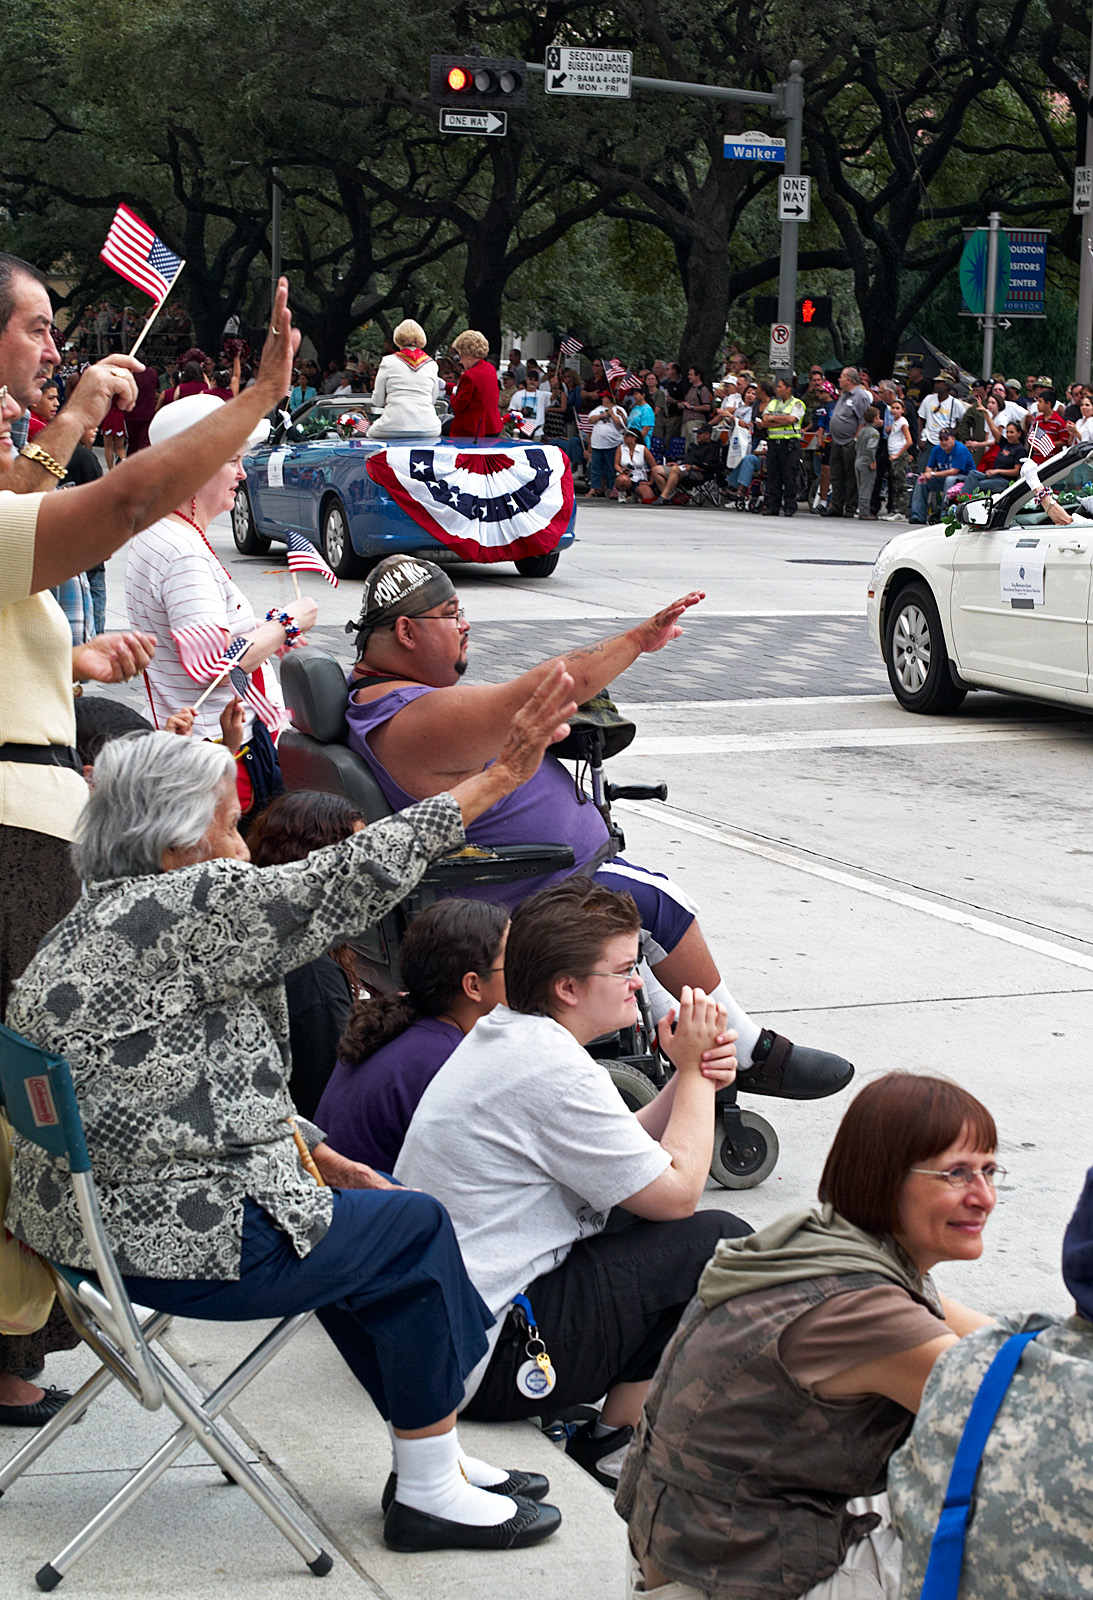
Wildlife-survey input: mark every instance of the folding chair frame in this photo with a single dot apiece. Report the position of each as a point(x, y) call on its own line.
point(37, 1095)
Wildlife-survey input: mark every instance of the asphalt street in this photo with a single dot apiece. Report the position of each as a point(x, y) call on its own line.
point(912, 892)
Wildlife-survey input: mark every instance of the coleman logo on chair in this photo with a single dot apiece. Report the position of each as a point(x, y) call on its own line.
point(42, 1108)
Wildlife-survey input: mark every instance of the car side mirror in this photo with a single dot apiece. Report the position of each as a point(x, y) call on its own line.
point(975, 513)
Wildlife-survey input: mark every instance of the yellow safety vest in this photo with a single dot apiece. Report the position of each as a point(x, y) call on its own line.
point(792, 407)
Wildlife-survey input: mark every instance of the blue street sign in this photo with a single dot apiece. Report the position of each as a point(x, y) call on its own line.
point(754, 147)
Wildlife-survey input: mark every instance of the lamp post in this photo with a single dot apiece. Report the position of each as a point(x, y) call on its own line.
point(1083, 355)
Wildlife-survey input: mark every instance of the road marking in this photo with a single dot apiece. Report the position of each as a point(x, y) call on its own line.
point(667, 817)
point(639, 706)
point(849, 738)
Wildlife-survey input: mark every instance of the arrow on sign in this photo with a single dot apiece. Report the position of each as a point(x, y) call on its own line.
point(558, 79)
point(793, 211)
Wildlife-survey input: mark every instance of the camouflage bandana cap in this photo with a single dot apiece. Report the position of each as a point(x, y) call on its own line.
point(400, 586)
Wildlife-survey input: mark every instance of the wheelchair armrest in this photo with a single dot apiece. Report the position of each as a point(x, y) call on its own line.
point(508, 864)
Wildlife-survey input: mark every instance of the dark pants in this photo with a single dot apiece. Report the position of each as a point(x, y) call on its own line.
point(882, 478)
point(783, 473)
point(844, 481)
point(606, 1314)
point(390, 1288)
point(37, 888)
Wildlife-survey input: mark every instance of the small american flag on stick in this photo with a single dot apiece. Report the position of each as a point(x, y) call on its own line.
point(614, 369)
point(628, 383)
point(570, 346)
point(303, 557)
point(141, 258)
point(201, 651)
point(1040, 442)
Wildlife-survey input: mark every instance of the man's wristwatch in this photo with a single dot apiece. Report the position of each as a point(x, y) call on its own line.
point(34, 452)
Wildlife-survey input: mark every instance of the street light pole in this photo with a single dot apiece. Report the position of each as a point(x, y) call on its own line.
point(990, 293)
point(274, 235)
point(1083, 355)
point(793, 104)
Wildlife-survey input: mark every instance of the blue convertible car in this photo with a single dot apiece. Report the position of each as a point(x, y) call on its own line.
point(359, 499)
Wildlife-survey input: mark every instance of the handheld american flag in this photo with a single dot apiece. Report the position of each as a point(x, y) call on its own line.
point(201, 651)
point(141, 258)
point(569, 347)
point(1040, 442)
point(614, 369)
point(628, 383)
point(303, 557)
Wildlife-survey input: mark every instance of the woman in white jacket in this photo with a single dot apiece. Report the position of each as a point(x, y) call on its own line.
point(407, 386)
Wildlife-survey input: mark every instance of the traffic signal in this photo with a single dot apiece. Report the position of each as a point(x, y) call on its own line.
point(764, 308)
point(814, 311)
point(473, 82)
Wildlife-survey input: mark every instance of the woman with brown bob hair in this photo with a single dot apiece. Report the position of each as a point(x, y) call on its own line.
point(798, 1368)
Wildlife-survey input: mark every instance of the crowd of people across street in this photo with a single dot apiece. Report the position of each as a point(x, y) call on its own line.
point(439, 1171)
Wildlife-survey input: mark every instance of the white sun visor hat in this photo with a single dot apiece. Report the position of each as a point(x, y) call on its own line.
point(178, 415)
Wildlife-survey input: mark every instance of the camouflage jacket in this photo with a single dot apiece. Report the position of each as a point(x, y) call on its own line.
point(738, 1479)
point(1030, 1536)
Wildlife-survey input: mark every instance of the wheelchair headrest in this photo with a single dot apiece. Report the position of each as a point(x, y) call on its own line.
point(316, 693)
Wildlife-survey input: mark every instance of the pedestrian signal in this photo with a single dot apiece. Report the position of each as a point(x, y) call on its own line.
point(814, 311)
point(472, 81)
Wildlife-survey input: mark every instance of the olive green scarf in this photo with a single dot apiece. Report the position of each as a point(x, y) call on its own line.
point(807, 1244)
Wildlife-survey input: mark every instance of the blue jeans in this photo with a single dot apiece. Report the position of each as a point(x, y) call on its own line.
point(601, 470)
point(740, 477)
point(389, 1286)
point(976, 482)
point(96, 577)
point(927, 495)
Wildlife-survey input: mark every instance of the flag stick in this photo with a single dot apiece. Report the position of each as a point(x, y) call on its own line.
point(296, 586)
point(215, 684)
point(156, 309)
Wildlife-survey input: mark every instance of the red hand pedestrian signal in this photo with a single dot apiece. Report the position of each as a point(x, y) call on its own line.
point(808, 310)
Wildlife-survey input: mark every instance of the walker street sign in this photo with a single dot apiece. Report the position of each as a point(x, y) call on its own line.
point(794, 199)
point(753, 146)
point(495, 123)
point(594, 72)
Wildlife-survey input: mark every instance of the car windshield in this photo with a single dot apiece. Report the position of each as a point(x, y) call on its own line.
point(320, 420)
point(1074, 483)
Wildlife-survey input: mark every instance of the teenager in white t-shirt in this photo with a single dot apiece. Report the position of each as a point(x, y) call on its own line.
point(524, 1139)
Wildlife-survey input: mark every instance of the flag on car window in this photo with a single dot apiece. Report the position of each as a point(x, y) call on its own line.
point(141, 258)
point(303, 557)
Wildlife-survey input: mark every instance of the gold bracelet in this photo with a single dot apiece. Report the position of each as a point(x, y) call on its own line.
point(34, 452)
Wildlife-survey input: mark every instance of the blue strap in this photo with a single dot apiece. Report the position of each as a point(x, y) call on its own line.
point(943, 1570)
point(523, 1305)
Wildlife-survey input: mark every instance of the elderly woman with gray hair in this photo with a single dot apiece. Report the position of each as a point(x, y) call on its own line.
point(164, 989)
point(407, 387)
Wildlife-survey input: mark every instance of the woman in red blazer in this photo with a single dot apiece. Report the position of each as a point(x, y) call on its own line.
point(475, 413)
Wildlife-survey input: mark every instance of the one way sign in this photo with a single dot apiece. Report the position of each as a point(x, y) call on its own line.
point(794, 199)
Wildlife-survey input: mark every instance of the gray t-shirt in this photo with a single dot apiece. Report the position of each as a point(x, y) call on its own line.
point(523, 1137)
point(847, 413)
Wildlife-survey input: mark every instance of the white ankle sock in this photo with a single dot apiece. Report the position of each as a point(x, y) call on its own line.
point(748, 1030)
point(477, 1473)
point(660, 999)
point(429, 1479)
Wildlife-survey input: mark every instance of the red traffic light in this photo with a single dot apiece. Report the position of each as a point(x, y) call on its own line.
point(808, 310)
point(458, 79)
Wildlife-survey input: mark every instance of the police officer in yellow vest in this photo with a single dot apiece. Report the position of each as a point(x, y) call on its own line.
point(782, 420)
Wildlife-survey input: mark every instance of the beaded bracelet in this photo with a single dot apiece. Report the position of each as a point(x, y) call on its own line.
point(292, 631)
point(1042, 494)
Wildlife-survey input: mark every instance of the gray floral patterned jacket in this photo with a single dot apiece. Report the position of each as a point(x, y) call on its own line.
point(165, 995)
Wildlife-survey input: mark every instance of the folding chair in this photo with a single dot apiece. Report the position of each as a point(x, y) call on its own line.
point(656, 449)
point(676, 447)
point(37, 1097)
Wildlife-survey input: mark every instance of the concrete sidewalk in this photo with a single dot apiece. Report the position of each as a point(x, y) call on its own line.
point(314, 1433)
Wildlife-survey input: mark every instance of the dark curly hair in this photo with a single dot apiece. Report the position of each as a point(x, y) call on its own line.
point(297, 823)
point(449, 939)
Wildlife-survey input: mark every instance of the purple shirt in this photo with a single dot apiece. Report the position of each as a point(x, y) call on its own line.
point(545, 810)
point(366, 1108)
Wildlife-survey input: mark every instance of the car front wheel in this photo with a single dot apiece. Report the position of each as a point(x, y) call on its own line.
point(337, 547)
point(248, 541)
point(537, 566)
point(916, 655)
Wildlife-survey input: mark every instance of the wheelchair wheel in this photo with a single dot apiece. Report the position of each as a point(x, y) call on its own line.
point(634, 1087)
point(745, 1153)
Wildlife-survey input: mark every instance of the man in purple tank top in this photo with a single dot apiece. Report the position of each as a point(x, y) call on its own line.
point(420, 728)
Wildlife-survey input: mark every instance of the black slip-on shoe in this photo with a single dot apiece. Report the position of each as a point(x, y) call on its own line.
point(411, 1531)
point(34, 1415)
point(526, 1485)
point(792, 1071)
point(588, 1451)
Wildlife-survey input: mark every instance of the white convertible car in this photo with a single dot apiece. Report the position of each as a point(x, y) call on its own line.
point(1004, 602)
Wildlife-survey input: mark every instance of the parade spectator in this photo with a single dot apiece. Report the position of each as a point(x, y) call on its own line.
point(781, 423)
point(1028, 1535)
point(701, 462)
point(1004, 466)
point(516, 370)
point(642, 416)
point(596, 389)
point(137, 420)
point(407, 388)
point(695, 404)
point(1047, 421)
point(915, 389)
point(203, 1193)
point(451, 972)
point(938, 410)
point(949, 464)
point(302, 390)
point(1081, 430)
point(636, 469)
point(539, 1150)
point(559, 427)
point(1032, 384)
point(900, 450)
point(740, 477)
point(799, 1366)
point(45, 408)
point(192, 381)
point(842, 430)
point(531, 402)
point(608, 422)
point(475, 413)
point(866, 441)
point(971, 428)
point(675, 388)
point(656, 397)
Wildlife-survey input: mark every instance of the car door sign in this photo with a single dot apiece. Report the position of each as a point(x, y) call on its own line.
point(275, 470)
point(1021, 574)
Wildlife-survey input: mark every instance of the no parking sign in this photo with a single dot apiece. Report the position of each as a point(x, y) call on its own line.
point(779, 345)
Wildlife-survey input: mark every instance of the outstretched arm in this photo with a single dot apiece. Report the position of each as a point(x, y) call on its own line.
point(442, 737)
